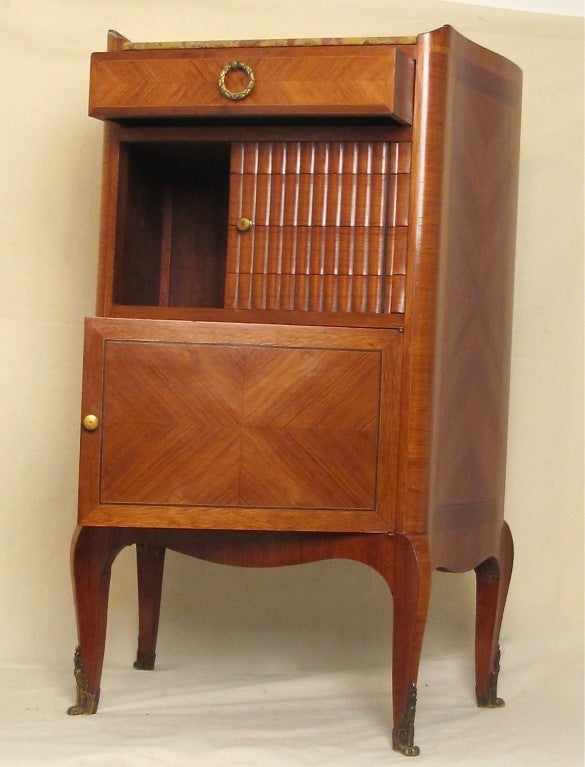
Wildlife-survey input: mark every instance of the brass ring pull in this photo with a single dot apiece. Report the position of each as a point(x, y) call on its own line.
point(236, 95)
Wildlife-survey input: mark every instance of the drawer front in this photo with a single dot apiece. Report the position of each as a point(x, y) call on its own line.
point(375, 80)
point(206, 425)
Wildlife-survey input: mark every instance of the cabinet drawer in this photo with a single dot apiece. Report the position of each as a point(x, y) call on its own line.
point(212, 425)
point(358, 80)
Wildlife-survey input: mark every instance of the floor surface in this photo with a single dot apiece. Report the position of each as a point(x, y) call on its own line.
point(176, 716)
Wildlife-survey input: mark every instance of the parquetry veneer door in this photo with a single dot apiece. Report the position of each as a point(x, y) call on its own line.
point(302, 341)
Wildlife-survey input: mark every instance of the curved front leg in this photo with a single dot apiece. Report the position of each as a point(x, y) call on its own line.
point(93, 550)
point(411, 591)
point(493, 580)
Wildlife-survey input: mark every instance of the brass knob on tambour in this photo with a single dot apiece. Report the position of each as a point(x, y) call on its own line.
point(91, 422)
point(243, 224)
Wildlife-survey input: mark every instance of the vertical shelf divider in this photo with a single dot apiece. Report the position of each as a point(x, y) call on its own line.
point(166, 246)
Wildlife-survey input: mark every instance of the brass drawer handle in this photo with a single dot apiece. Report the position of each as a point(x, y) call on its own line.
point(91, 422)
point(236, 95)
point(243, 224)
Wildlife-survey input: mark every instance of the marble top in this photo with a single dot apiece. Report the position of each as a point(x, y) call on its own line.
point(310, 41)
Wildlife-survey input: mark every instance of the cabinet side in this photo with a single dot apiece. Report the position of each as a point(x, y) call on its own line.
point(475, 273)
point(421, 281)
point(109, 194)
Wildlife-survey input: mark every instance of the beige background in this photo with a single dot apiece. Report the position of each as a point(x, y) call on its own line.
point(218, 623)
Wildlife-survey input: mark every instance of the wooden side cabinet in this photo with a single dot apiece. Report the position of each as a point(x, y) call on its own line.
point(302, 341)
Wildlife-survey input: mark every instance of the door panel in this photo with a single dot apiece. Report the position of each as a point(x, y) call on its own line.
point(217, 425)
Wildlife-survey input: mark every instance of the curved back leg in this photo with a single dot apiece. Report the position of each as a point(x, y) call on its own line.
point(150, 562)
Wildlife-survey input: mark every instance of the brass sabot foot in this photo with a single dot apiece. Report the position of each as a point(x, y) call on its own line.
point(489, 698)
point(406, 749)
point(87, 702)
point(86, 706)
point(403, 735)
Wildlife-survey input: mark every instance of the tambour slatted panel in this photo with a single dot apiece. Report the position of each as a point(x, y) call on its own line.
point(329, 226)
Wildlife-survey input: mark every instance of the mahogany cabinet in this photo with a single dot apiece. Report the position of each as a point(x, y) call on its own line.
point(302, 341)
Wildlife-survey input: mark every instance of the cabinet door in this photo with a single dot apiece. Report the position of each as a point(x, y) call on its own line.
point(318, 226)
point(212, 425)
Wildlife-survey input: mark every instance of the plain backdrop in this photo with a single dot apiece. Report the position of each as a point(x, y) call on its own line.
point(287, 666)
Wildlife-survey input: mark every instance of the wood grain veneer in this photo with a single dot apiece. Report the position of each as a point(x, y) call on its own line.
point(261, 427)
point(338, 80)
point(327, 378)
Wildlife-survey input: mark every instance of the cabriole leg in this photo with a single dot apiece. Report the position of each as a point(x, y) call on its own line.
point(493, 580)
point(93, 550)
point(411, 591)
point(150, 562)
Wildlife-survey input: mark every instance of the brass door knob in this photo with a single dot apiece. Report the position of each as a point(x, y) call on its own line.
point(91, 422)
point(243, 224)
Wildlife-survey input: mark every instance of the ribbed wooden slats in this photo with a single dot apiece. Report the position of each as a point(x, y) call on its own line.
point(329, 226)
